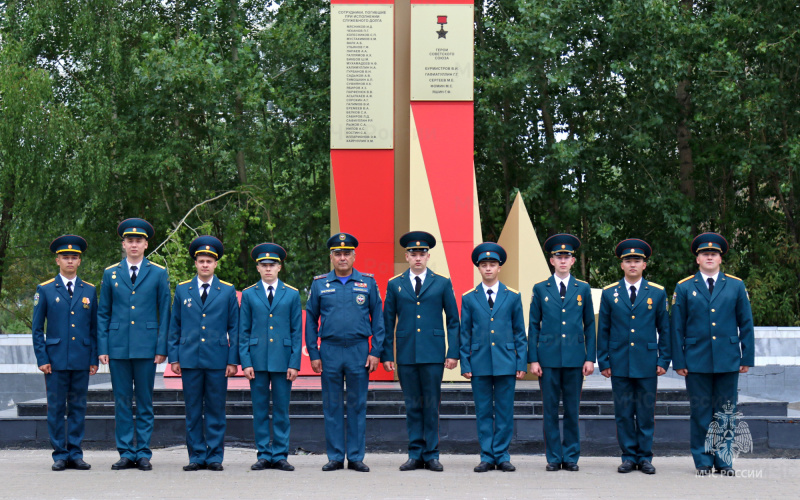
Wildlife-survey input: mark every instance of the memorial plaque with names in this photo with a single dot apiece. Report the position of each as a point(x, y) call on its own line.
point(362, 78)
point(441, 52)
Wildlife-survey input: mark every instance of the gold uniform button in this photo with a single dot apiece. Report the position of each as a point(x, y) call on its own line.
point(713, 310)
point(633, 317)
point(73, 326)
point(417, 303)
point(270, 340)
point(492, 343)
point(563, 310)
point(417, 329)
point(418, 316)
point(713, 324)
point(73, 338)
point(204, 315)
point(270, 328)
point(633, 331)
point(564, 335)
point(714, 338)
point(202, 340)
point(492, 331)
point(204, 328)
point(132, 322)
point(133, 293)
point(492, 319)
point(133, 307)
point(269, 315)
point(72, 312)
point(563, 322)
point(631, 343)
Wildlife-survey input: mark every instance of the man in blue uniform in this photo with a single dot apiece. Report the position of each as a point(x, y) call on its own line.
point(712, 343)
point(633, 348)
point(132, 326)
point(66, 351)
point(271, 325)
point(493, 353)
point(414, 302)
point(204, 350)
point(561, 349)
point(344, 310)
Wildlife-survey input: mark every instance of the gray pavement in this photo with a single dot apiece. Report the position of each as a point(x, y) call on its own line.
point(27, 474)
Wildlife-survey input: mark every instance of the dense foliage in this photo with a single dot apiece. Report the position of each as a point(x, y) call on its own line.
point(614, 119)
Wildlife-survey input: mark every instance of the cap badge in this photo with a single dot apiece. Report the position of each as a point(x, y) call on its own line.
point(710, 244)
point(488, 253)
point(69, 246)
point(418, 243)
point(208, 247)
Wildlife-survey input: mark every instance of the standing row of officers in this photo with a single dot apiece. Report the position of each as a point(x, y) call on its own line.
point(349, 331)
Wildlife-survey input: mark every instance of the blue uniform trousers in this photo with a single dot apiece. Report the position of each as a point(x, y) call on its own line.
point(281, 391)
point(558, 383)
point(422, 390)
point(494, 413)
point(340, 362)
point(634, 412)
point(66, 395)
point(205, 393)
point(708, 392)
point(129, 378)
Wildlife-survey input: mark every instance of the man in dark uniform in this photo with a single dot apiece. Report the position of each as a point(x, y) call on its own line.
point(67, 351)
point(132, 327)
point(493, 354)
point(204, 351)
point(344, 309)
point(414, 302)
point(561, 349)
point(271, 325)
point(712, 343)
point(633, 348)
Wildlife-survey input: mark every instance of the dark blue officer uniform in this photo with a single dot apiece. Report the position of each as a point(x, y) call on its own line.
point(69, 345)
point(344, 316)
point(271, 343)
point(203, 338)
point(421, 345)
point(633, 340)
point(712, 337)
point(561, 338)
point(132, 327)
point(493, 349)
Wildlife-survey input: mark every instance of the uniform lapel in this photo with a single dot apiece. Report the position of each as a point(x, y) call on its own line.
point(213, 292)
point(262, 294)
point(77, 294)
point(480, 296)
point(718, 286)
point(572, 290)
point(641, 294)
point(553, 288)
point(406, 283)
point(144, 268)
point(427, 283)
point(277, 294)
point(124, 274)
point(194, 293)
point(502, 292)
point(701, 286)
point(62, 289)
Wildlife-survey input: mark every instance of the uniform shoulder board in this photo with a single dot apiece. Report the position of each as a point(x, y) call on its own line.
point(112, 265)
point(319, 277)
point(732, 276)
point(442, 275)
point(395, 276)
point(369, 275)
point(184, 282)
point(612, 285)
point(251, 286)
point(543, 281)
point(293, 288)
point(580, 281)
point(655, 285)
point(512, 290)
point(157, 265)
point(225, 283)
point(684, 280)
point(90, 284)
point(468, 292)
point(47, 282)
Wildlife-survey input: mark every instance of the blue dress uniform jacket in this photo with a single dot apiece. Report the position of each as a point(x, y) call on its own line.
point(420, 329)
point(344, 313)
point(71, 334)
point(270, 335)
point(633, 340)
point(712, 334)
point(492, 340)
point(204, 335)
point(133, 320)
point(69, 345)
point(561, 333)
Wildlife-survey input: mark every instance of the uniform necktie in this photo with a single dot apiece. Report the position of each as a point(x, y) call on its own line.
point(205, 293)
point(491, 302)
point(69, 288)
point(710, 286)
point(418, 286)
point(633, 294)
point(563, 290)
point(133, 274)
point(269, 295)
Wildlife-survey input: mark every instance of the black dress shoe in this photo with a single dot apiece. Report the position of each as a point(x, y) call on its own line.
point(647, 468)
point(215, 466)
point(552, 467)
point(123, 463)
point(261, 464)
point(78, 464)
point(412, 464)
point(627, 466)
point(434, 464)
point(725, 471)
point(571, 466)
point(193, 467)
point(506, 467)
point(332, 465)
point(283, 465)
point(59, 465)
point(484, 467)
point(144, 464)
point(703, 471)
point(357, 466)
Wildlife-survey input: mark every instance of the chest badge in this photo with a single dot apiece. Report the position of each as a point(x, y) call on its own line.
point(86, 302)
point(58, 300)
point(580, 301)
point(327, 285)
point(116, 284)
point(360, 299)
point(546, 299)
point(694, 294)
point(616, 300)
point(649, 303)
